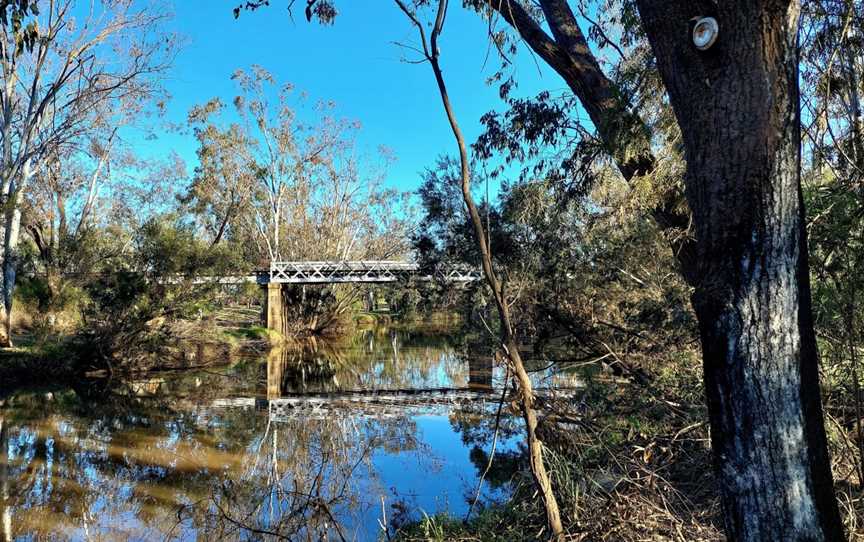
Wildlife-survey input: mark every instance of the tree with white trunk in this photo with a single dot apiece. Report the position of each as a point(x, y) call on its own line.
point(290, 179)
point(63, 72)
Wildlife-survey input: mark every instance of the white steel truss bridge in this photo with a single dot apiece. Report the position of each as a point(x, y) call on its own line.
point(372, 271)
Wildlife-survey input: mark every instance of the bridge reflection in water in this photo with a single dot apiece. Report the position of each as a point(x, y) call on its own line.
point(312, 378)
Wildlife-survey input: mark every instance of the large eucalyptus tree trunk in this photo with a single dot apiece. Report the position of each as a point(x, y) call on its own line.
point(737, 104)
point(5, 204)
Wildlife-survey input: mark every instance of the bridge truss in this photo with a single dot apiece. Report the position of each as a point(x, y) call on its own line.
point(373, 271)
point(389, 403)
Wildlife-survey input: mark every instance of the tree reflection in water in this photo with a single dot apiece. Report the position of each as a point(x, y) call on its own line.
point(305, 480)
point(158, 458)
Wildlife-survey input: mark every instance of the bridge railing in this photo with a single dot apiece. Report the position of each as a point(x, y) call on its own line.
point(362, 271)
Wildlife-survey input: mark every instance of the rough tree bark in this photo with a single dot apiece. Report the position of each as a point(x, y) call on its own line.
point(508, 338)
point(738, 108)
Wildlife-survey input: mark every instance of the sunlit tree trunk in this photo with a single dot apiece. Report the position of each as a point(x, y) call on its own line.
point(93, 187)
point(10, 248)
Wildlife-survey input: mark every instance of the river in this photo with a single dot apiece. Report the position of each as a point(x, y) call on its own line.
point(313, 441)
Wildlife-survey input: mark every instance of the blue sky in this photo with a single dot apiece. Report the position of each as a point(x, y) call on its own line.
point(353, 63)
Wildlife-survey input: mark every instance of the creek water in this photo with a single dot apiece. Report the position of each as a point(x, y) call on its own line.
point(204, 455)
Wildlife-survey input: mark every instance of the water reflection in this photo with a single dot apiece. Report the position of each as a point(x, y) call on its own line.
point(373, 359)
point(183, 456)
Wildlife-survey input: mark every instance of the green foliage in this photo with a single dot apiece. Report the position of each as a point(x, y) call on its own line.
point(323, 11)
point(590, 271)
point(49, 294)
point(541, 136)
point(446, 235)
point(498, 523)
point(165, 280)
point(251, 333)
point(13, 15)
point(166, 247)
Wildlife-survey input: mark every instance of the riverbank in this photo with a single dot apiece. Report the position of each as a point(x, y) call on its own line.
point(45, 357)
point(26, 366)
point(627, 463)
point(55, 357)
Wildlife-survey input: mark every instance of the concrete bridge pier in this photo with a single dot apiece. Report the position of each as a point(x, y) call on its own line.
point(274, 307)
